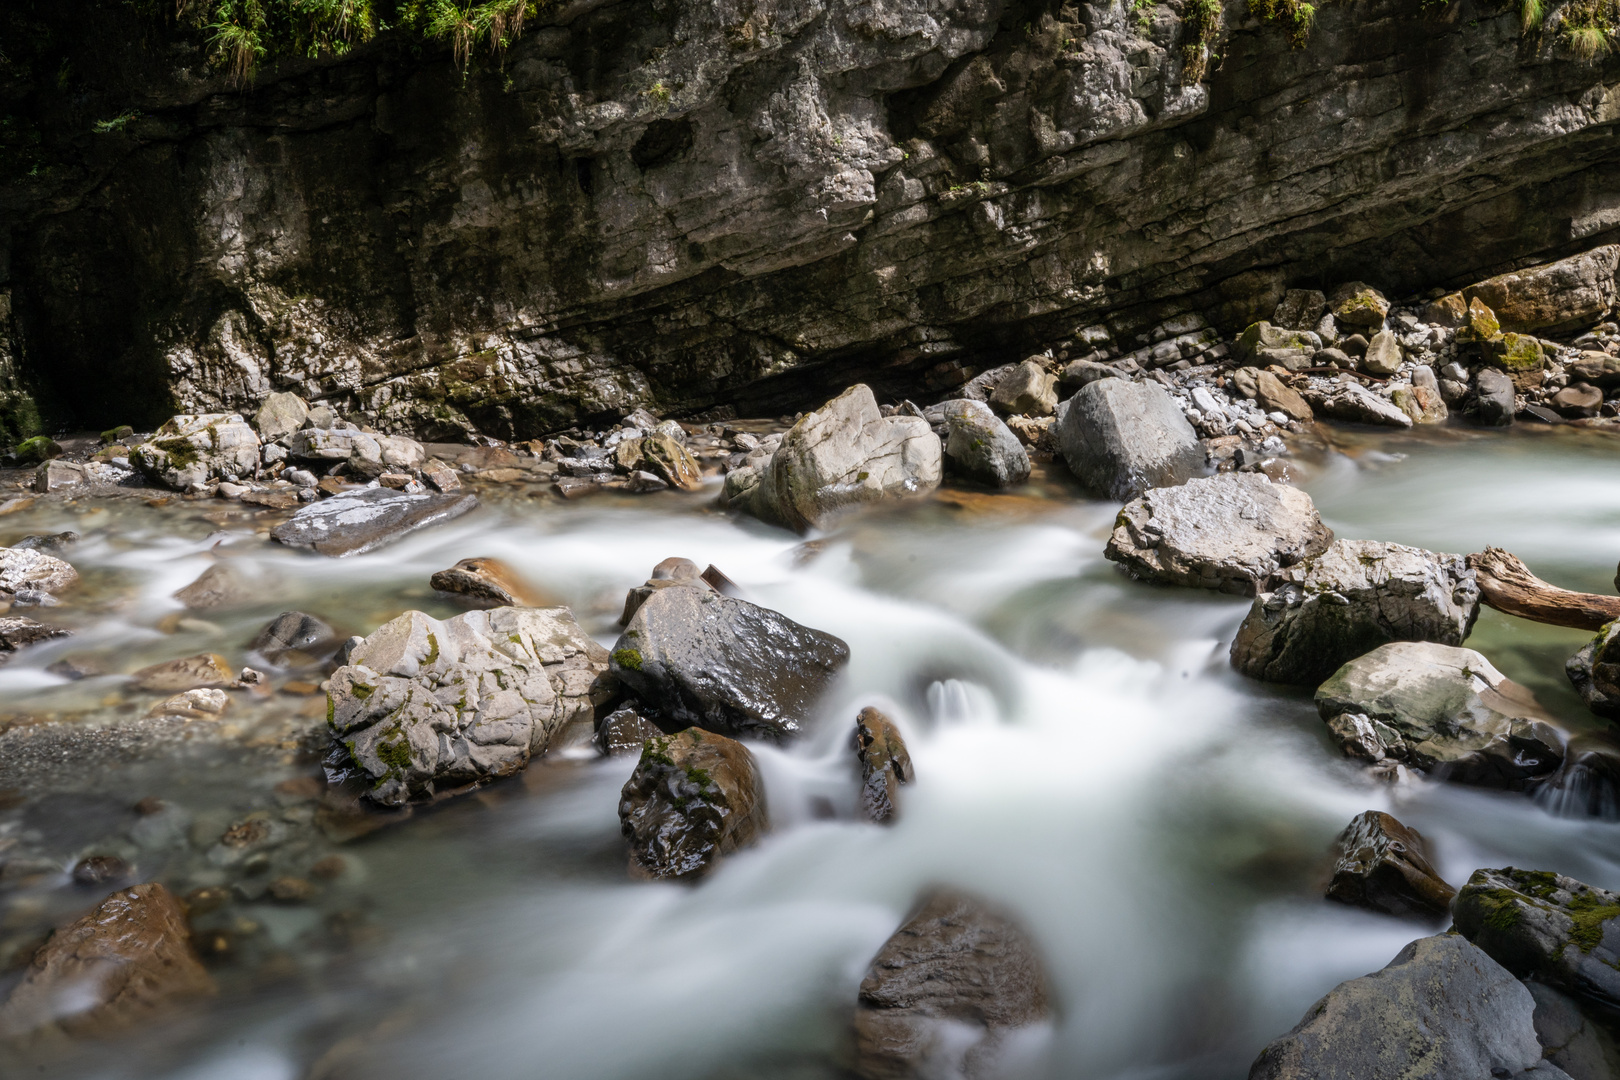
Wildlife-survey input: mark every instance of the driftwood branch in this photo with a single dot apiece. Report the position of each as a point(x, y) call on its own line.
point(1506, 584)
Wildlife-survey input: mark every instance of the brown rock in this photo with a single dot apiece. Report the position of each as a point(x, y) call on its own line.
point(1480, 322)
point(193, 705)
point(885, 765)
point(441, 477)
point(624, 731)
point(291, 890)
point(488, 581)
point(1356, 303)
point(1598, 368)
point(18, 632)
point(273, 498)
point(667, 459)
point(1028, 389)
point(673, 572)
point(944, 991)
point(1276, 396)
point(397, 481)
point(100, 870)
point(202, 671)
point(1384, 866)
point(695, 797)
point(1577, 400)
point(1566, 295)
point(221, 585)
point(1450, 310)
point(131, 958)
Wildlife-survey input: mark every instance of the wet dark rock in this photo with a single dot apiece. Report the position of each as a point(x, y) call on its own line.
point(1354, 597)
point(674, 572)
point(360, 520)
point(101, 870)
point(19, 632)
point(624, 731)
point(981, 447)
point(487, 581)
point(294, 632)
point(694, 798)
point(706, 660)
point(945, 992)
point(1548, 927)
point(1441, 1010)
point(1494, 393)
point(1384, 866)
point(423, 706)
point(1595, 672)
point(51, 544)
point(885, 765)
point(1122, 438)
point(1587, 784)
point(131, 960)
point(205, 670)
point(1234, 533)
point(1441, 709)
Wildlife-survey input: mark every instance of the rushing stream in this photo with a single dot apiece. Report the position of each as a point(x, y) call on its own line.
point(1084, 756)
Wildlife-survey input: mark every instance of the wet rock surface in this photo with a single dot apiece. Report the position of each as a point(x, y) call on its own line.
point(1233, 533)
point(424, 706)
point(360, 521)
point(946, 991)
point(123, 965)
point(694, 798)
point(1384, 866)
point(294, 636)
point(1441, 709)
point(624, 731)
point(1542, 925)
point(698, 658)
point(1442, 1009)
point(487, 581)
point(885, 765)
point(1354, 597)
point(19, 632)
point(1121, 438)
point(979, 446)
point(1594, 671)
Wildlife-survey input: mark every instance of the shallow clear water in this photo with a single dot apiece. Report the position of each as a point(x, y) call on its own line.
point(1083, 754)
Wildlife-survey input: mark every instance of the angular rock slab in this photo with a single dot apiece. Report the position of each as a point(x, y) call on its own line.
point(119, 967)
point(1548, 927)
point(982, 447)
point(694, 798)
point(1122, 438)
point(360, 521)
point(1441, 1010)
point(845, 455)
point(424, 705)
point(1234, 533)
point(706, 660)
point(1564, 296)
point(1444, 710)
point(1384, 866)
point(1352, 598)
point(945, 991)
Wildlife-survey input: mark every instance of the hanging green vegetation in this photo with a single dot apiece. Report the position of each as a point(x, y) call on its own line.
point(1202, 23)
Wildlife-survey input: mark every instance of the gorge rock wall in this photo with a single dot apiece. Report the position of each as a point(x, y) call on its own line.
point(745, 204)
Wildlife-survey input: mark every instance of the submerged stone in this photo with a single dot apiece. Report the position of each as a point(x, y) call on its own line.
point(359, 521)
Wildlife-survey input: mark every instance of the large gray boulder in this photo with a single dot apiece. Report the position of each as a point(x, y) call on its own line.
point(1441, 709)
point(1121, 438)
point(701, 659)
point(1441, 1010)
point(196, 448)
point(694, 798)
point(281, 414)
point(359, 521)
point(424, 706)
point(944, 993)
point(1584, 1046)
point(1352, 598)
point(1494, 396)
point(981, 447)
point(843, 456)
point(1548, 927)
point(1233, 533)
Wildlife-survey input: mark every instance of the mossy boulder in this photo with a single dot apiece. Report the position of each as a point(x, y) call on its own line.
point(1595, 672)
point(1548, 927)
point(1355, 303)
point(1554, 298)
point(425, 706)
point(123, 433)
point(694, 798)
point(1262, 344)
point(37, 449)
point(1519, 356)
point(194, 449)
point(1479, 322)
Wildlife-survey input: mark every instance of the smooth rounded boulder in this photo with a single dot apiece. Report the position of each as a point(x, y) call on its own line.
point(1441, 709)
point(1121, 438)
point(1352, 598)
point(423, 706)
point(843, 456)
point(694, 798)
point(702, 659)
point(1234, 533)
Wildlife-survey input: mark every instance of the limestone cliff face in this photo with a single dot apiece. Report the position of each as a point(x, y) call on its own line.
point(693, 204)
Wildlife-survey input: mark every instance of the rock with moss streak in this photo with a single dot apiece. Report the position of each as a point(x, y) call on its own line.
point(194, 449)
point(695, 797)
point(425, 706)
point(981, 447)
point(1354, 597)
point(1595, 672)
point(1444, 710)
point(1548, 927)
point(1555, 298)
point(843, 456)
point(1441, 1010)
point(1234, 533)
point(697, 657)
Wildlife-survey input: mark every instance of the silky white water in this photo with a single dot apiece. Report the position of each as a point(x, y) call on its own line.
point(1084, 757)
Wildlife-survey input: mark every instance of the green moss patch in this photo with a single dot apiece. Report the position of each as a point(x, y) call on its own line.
point(627, 658)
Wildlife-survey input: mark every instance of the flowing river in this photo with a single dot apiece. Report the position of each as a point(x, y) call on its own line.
point(1084, 756)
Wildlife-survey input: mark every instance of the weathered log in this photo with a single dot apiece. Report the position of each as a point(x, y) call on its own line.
point(1506, 584)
